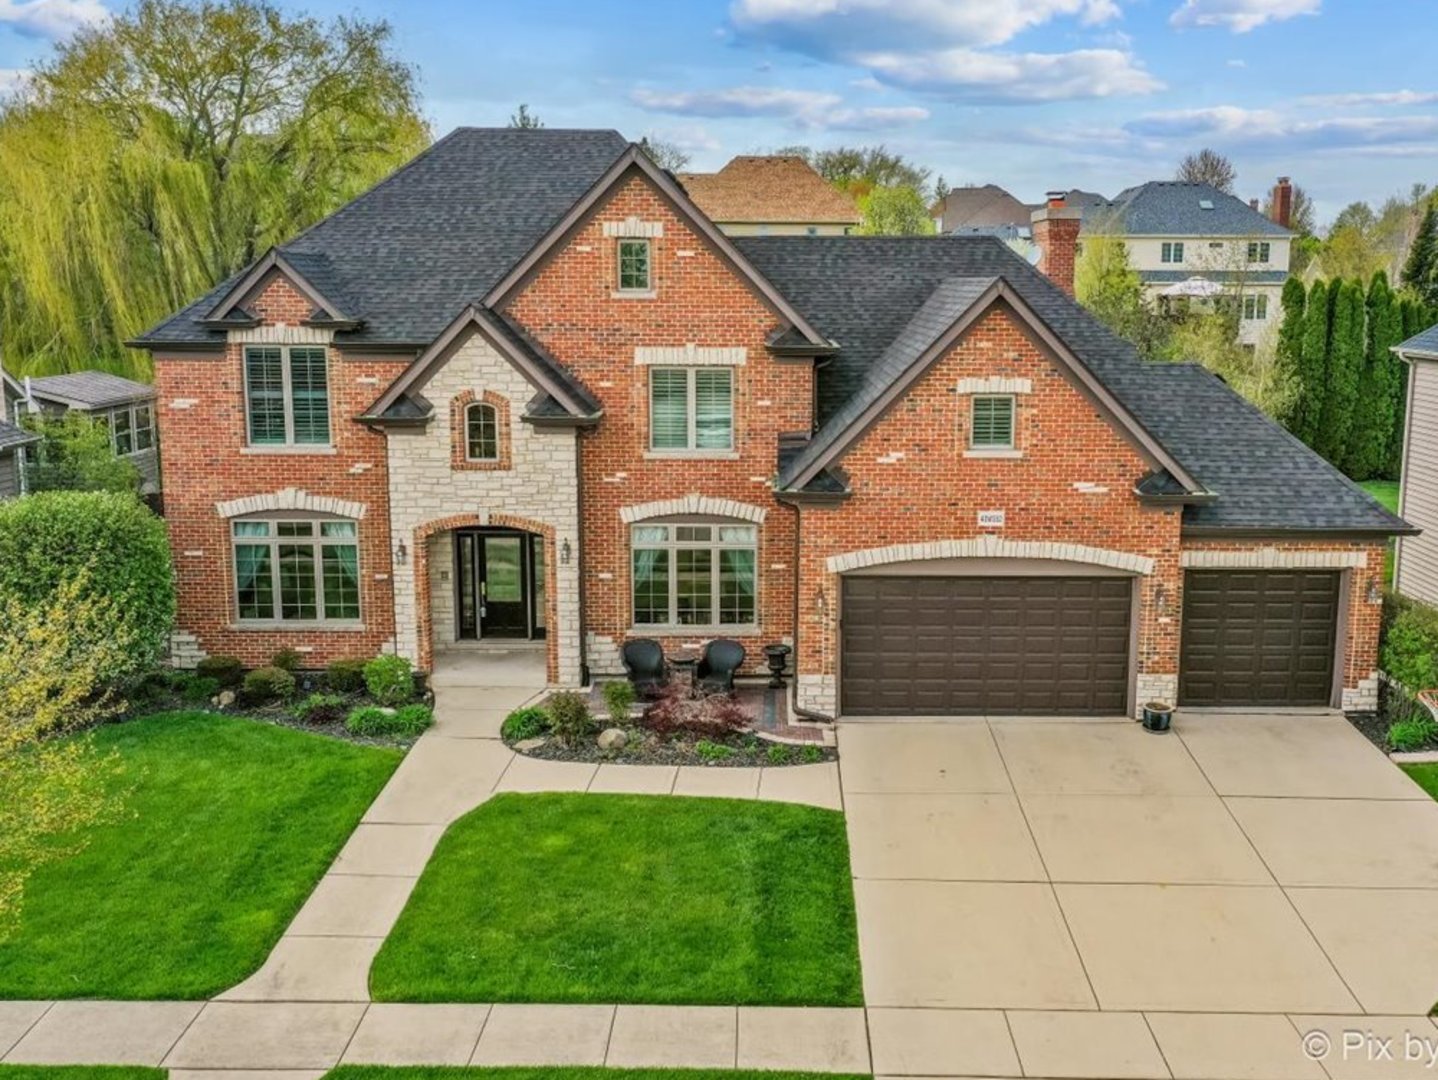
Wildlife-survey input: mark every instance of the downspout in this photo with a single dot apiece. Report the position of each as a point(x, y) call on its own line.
point(801, 713)
point(584, 679)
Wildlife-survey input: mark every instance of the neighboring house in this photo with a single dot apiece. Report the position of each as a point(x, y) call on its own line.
point(526, 390)
point(13, 438)
point(986, 210)
point(1415, 570)
point(779, 195)
point(125, 407)
point(1193, 245)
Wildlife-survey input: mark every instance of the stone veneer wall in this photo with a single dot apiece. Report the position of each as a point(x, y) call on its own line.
point(541, 487)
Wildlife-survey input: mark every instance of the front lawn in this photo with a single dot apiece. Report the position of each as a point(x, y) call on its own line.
point(1425, 776)
point(558, 1072)
point(80, 1072)
point(1386, 492)
point(630, 899)
point(227, 825)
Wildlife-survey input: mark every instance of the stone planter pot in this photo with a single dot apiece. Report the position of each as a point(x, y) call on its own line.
point(1157, 716)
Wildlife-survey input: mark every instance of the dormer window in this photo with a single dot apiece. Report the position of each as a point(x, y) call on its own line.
point(481, 431)
point(634, 276)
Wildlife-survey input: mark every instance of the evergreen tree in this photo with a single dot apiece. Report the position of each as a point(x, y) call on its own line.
point(1287, 355)
point(1373, 417)
point(1313, 362)
point(1420, 272)
point(1344, 372)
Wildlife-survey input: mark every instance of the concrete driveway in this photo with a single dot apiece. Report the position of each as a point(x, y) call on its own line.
point(1262, 863)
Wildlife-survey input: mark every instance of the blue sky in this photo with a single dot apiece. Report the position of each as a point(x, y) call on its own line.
point(1030, 94)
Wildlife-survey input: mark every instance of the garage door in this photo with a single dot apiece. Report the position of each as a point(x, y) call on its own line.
point(1258, 638)
point(965, 645)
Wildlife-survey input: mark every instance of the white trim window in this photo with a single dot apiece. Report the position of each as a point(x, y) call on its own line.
point(296, 570)
point(991, 422)
point(1259, 251)
point(287, 400)
point(481, 432)
point(634, 266)
point(131, 427)
point(1171, 251)
point(1255, 306)
point(694, 574)
point(691, 409)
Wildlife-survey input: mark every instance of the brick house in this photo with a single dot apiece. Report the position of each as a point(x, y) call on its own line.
point(524, 390)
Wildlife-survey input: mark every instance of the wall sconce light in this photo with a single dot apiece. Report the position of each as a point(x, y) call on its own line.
point(401, 554)
point(1160, 600)
point(565, 552)
point(1375, 591)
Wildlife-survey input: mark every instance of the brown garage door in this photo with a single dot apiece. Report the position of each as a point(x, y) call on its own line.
point(1258, 637)
point(965, 645)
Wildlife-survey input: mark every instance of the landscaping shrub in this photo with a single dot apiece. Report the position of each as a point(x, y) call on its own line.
point(778, 754)
point(286, 660)
point(707, 715)
point(375, 720)
point(226, 670)
point(319, 709)
point(390, 680)
point(618, 698)
point(1410, 643)
point(346, 675)
point(1413, 733)
point(526, 723)
point(113, 539)
point(269, 684)
point(569, 717)
point(713, 751)
point(198, 689)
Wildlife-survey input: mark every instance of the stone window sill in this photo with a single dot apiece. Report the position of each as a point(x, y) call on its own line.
point(634, 294)
point(291, 450)
point(997, 454)
point(272, 626)
point(691, 455)
point(667, 631)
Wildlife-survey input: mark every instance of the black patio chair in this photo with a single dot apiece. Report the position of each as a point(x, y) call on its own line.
point(715, 673)
point(644, 663)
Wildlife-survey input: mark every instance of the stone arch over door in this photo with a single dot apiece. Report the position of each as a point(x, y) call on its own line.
point(422, 535)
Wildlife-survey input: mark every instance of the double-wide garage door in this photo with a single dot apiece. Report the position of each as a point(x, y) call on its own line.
point(968, 645)
point(1258, 637)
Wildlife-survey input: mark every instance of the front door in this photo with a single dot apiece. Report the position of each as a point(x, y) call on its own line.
point(495, 578)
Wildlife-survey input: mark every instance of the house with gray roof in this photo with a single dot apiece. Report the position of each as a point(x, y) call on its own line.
point(1415, 568)
point(1192, 244)
point(526, 399)
point(13, 438)
point(124, 406)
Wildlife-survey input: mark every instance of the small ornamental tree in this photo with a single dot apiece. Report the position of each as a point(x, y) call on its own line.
point(895, 211)
point(75, 454)
point(115, 542)
point(1288, 351)
point(1345, 371)
point(1420, 272)
point(1313, 363)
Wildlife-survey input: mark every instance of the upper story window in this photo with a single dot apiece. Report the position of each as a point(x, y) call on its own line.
point(1259, 251)
point(287, 395)
point(992, 426)
point(634, 273)
point(481, 432)
point(1255, 307)
point(699, 574)
point(131, 427)
point(296, 570)
point(1171, 251)
point(691, 409)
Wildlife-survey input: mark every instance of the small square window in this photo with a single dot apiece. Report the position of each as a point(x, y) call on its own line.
point(1171, 252)
point(634, 266)
point(993, 423)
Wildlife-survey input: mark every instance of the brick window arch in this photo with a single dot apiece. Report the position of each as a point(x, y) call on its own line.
point(479, 431)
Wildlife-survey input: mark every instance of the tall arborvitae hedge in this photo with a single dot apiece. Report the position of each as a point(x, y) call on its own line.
point(1373, 413)
point(1345, 370)
point(1290, 346)
point(1313, 362)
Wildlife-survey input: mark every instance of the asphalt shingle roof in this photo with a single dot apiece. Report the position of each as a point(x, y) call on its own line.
point(1175, 208)
point(774, 188)
point(865, 291)
point(409, 254)
point(12, 437)
point(90, 389)
point(1426, 342)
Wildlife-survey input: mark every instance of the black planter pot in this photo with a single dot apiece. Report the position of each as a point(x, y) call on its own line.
point(1157, 717)
point(776, 656)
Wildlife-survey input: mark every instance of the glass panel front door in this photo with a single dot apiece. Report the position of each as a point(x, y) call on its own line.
point(502, 591)
point(499, 585)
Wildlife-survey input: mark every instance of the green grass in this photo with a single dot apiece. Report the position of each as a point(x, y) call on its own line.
point(1425, 776)
point(81, 1072)
point(226, 826)
point(571, 1072)
point(630, 899)
point(1386, 492)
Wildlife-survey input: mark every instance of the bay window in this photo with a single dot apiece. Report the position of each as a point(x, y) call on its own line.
point(296, 571)
point(694, 574)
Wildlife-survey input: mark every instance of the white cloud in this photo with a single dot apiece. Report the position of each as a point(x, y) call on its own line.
point(12, 79)
point(803, 108)
point(1014, 77)
point(1386, 97)
point(1238, 63)
point(1234, 125)
point(1240, 16)
point(51, 18)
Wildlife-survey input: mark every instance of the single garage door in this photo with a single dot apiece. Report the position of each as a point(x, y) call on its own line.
point(966, 645)
point(1258, 637)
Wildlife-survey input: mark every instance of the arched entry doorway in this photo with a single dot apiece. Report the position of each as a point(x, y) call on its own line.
point(499, 584)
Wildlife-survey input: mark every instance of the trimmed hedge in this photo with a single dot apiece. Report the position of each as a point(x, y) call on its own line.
point(51, 537)
point(1410, 643)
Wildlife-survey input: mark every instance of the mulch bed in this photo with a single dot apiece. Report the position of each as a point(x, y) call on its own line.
point(1374, 727)
point(645, 748)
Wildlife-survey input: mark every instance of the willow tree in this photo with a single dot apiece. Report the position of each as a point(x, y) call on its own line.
point(153, 157)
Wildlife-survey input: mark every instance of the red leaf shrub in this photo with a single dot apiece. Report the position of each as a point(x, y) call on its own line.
point(676, 712)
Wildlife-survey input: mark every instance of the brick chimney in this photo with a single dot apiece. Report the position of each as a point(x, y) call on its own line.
point(1283, 202)
point(1253, 204)
point(1056, 233)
